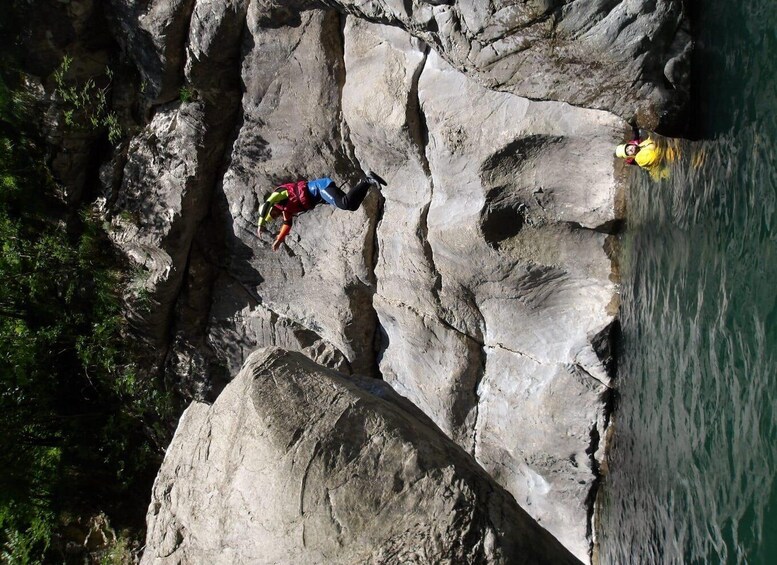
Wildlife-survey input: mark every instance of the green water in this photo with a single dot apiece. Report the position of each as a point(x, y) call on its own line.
point(693, 467)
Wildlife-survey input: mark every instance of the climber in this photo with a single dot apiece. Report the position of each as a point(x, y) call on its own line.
point(640, 152)
point(294, 198)
point(647, 154)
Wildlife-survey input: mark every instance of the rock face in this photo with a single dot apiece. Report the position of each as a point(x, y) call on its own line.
point(316, 291)
point(479, 283)
point(491, 278)
point(629, 57)
point(474, 284)
point(295, 463)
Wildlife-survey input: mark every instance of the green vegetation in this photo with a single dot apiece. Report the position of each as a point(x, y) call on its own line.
point(87, 103)
point(187, 94)
point(75, 415)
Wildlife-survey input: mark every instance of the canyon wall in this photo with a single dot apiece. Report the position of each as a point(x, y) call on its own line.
point(480, 284)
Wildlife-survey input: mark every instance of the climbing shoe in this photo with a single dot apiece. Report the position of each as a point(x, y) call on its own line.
point(375, 179)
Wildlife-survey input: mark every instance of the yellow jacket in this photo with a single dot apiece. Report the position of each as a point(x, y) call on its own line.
point(649, 154)
point(655, 159)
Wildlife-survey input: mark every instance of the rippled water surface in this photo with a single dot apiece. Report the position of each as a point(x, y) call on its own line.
point(692, 471)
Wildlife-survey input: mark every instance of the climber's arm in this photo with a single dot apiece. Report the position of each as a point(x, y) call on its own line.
point(285, 229)
point(266, 208)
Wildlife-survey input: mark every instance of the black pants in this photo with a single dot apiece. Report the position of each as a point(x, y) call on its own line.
point(351, 201)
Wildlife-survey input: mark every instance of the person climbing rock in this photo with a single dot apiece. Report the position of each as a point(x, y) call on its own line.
point(293, 198)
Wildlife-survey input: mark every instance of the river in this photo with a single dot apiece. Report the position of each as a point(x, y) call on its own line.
point(691, 474)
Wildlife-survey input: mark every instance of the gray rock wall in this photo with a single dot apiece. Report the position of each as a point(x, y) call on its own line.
point(291, 128)
point(491, 278)
point(630, 57)
point(479, 284)
point(295, 463)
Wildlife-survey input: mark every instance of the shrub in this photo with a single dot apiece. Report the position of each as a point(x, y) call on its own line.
point(86, 102)
point(74, 412)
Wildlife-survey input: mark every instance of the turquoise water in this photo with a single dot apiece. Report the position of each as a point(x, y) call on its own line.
point(694, 462)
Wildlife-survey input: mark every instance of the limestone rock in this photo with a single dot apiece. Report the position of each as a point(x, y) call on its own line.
point(492, 277)
point(213, 46)
point(620, 55)
point(478, 284)
point(482, 265)
point(154, 34)
point(322, 281)
point(295, 463)
point(166, 191)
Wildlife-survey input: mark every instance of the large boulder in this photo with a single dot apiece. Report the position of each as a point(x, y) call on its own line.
point(296, 463)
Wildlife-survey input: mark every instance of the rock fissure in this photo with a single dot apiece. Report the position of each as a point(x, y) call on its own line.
point(435, 318)
point(516, 352)
point(583, 371)
point(423, 235)
point(415, 115)
point(379, 330)
point(590, 500)
point(172, 322)
point(420, 137)
point(182, 47)
point(304, 480)
point(481, 374)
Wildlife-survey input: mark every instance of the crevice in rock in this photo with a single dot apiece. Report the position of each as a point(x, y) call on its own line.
point(378, 333)
point(419, 133)
point(223, 125)
point(584, 372)
point(610, 227)
point(514, 351)
point(379, 336)
point(345, 130)
point(293, 49)
point(415, 117)
point(371, 255)
point(605, 345)
point(437, 319)
point(423, 235)
point(189, 15)
point(479, 376)
point(590, 499)
point(306, 472)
